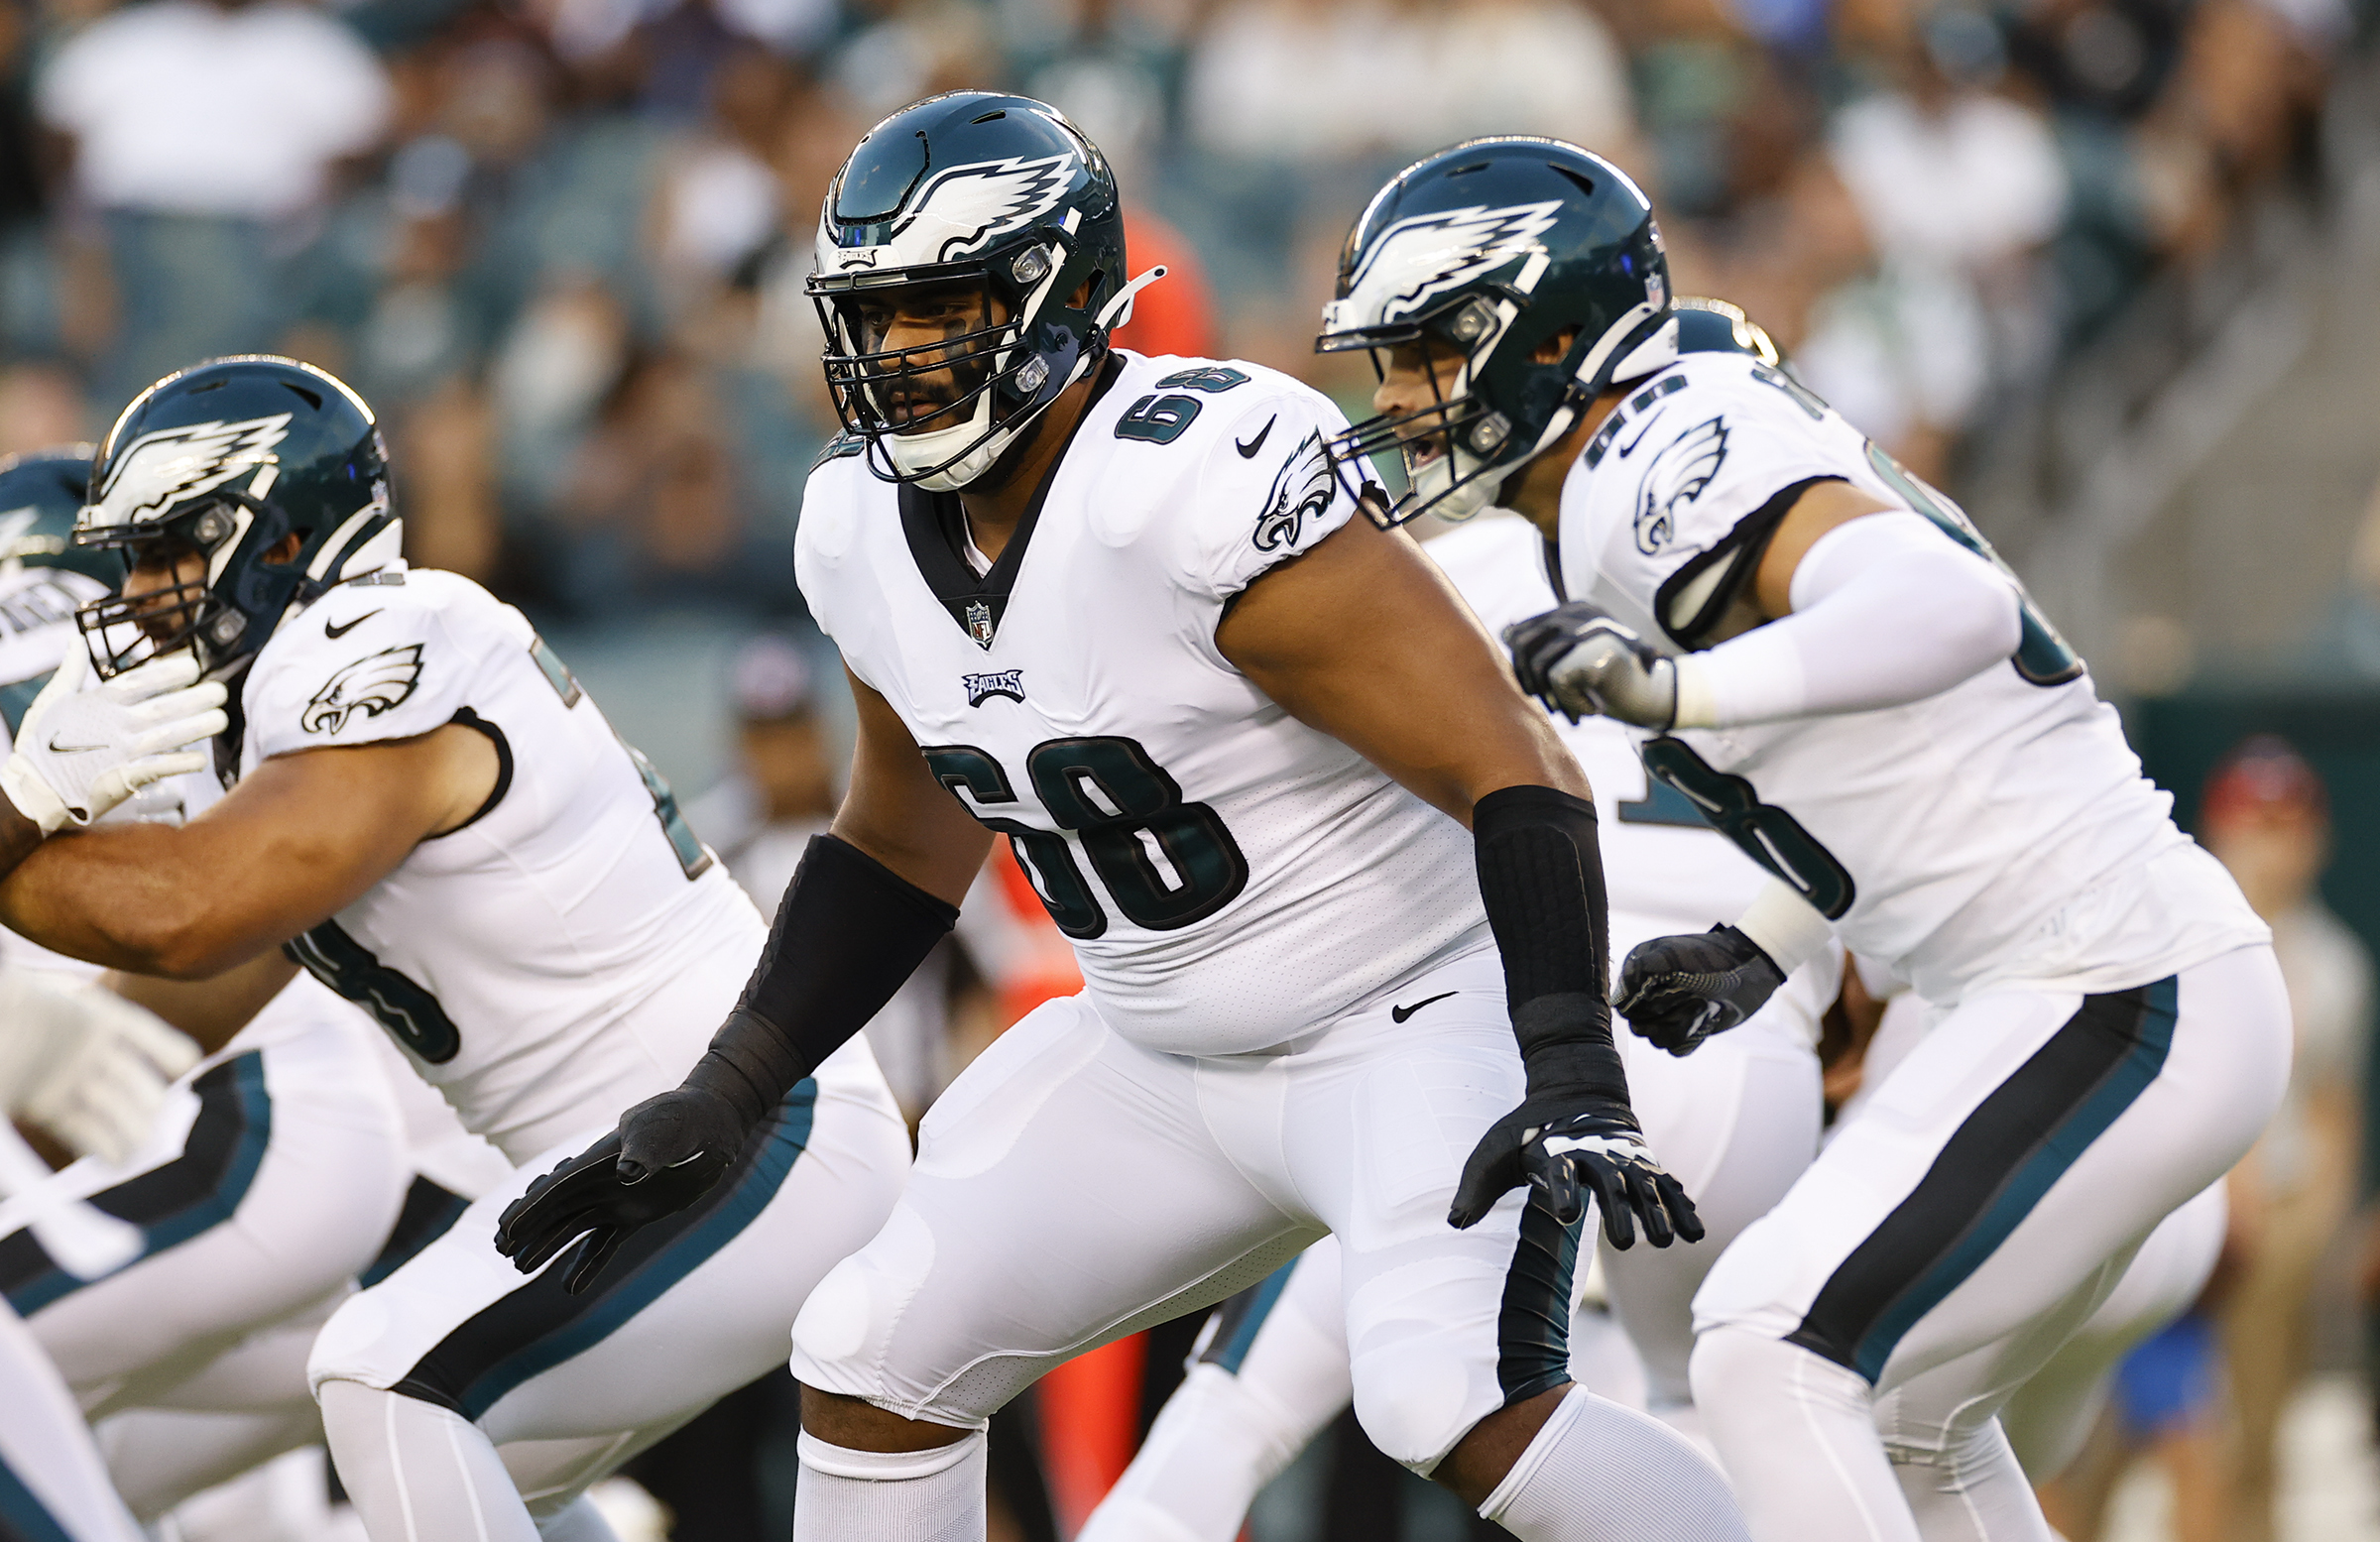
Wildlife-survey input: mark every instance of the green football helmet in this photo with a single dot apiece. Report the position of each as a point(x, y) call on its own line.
point(1000, 195)
point(1496, 248)
point(40, 494)
point(229, 459)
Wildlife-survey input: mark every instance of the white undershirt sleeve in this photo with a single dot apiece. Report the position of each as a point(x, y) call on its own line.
point(1886, 610)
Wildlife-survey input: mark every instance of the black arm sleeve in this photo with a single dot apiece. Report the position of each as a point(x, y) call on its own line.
point(1541, 877)
point(849, 933)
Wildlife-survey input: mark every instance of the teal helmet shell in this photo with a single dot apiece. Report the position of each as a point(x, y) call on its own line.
point(1496, 250)
point(41, 494)
point(230, 459)
point(1000, 194)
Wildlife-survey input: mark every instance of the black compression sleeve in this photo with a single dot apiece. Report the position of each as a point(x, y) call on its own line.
point(1541, 877)
point(849, 933)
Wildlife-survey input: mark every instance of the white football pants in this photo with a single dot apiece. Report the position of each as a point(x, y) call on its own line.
point(1072, 1187)
point(1976, 1210)
point(1735, 1122)
point(424, 1374)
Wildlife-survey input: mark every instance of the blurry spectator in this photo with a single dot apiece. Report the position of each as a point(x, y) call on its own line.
point(202, 131)
point(914, 48)
point(2266, 815)
point(1315, 81)
point(27, 319)
point(39, 405)
point(1957, 187)
point(1112, 65)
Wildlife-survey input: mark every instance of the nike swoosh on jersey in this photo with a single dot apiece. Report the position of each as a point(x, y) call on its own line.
point(1248, 451)
point(335, 631)
point(1400, 1014)
point(1639, 439)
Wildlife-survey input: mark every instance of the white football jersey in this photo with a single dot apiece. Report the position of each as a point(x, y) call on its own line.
point(1665, 870)
point(1230, 877)
point(2000, 830)
point(37, 627)
point(571, 948)
point(1661, 859)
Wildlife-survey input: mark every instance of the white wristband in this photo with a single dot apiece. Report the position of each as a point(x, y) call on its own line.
point(1785, 926)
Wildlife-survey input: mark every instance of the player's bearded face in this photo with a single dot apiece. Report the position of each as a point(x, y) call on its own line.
point(162, 587)
point(926, 349)
point(1415, 378)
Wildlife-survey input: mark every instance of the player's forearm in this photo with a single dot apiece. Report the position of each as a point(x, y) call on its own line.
point(1541, 879)
point(1888, 610)
point(19, 836)
point(144, 898)
point(849, 934)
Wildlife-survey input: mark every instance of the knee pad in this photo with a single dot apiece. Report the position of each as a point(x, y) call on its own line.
point(1735, 1367)
point(839, 1333)
point(1416, 1401)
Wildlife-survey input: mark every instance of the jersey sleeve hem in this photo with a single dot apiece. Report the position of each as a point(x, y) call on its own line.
point(1692, 601)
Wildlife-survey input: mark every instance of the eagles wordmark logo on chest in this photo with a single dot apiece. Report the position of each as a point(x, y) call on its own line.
point(1001, 683)
point(372, 684)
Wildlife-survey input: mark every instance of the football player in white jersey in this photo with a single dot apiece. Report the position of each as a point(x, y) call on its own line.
point(440, 826)
point(1736, 1122)
point(1839, 674)
point(1120, 608)
point(272, 1175)
point(90, 1071)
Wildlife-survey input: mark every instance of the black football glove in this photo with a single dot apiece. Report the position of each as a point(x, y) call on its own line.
point(1580, 661)
point(666, 1154)
point(1679, 990)
point(1557, 1143)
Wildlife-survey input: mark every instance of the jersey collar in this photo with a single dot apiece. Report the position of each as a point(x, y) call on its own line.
point(936, 527)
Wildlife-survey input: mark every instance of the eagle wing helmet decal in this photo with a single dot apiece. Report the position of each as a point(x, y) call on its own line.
point(161, 470)
point(1416, 260)
point(1677, 476)
point(966, 208)
point(372, 684)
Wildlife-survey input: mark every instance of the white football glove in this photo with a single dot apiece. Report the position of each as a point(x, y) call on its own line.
point(84, 1064)
point(79, 753)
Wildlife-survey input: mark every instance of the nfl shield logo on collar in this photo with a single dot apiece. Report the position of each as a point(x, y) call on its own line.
point(979, 623)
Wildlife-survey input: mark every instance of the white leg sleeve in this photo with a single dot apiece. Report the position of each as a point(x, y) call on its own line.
point(1601, 1473)
point(1971, 1492)
point(934, 1496)
point(1270, 1374)
point(579, 1521)
point(418, 1473)
point(1799, 1437)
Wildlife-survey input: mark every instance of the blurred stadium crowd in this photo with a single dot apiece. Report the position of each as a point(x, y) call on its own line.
point(561, 243)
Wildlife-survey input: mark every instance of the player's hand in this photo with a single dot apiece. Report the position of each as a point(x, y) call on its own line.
point(666, 1154)
point(1679, 990)
point(1564, 1146)
point(87, 1066)
point(1580, 661)
point(79, 753)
